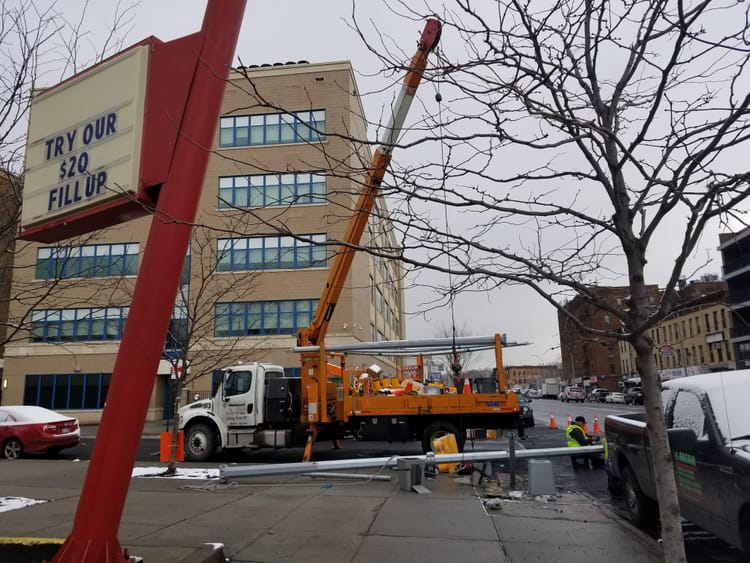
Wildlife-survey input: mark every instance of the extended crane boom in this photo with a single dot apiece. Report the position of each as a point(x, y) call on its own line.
point(314, 364)
point(315, 333)
point(322, 403)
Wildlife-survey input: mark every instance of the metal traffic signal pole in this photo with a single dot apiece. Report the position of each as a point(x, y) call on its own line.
point(94, 534)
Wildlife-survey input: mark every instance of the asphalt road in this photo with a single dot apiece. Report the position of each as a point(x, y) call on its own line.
point(701, 546)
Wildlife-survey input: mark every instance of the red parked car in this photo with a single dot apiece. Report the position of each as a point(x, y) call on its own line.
point(30, 429)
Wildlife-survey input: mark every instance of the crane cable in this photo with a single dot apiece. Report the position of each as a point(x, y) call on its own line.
point(456, 364)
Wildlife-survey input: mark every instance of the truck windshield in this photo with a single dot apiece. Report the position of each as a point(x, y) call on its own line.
point(730, 408)
point(238, 382)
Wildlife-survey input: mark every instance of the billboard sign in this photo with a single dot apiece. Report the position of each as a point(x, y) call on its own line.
point(84, 139)
point(100, 144)
point(667, 351)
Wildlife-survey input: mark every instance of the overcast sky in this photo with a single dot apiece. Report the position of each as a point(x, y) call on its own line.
point(293, 30)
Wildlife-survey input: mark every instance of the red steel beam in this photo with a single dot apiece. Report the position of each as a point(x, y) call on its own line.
point(94, 534)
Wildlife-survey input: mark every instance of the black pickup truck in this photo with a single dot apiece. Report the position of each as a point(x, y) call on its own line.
point(708, 422)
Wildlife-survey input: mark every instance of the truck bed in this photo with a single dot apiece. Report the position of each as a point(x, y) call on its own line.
point(493, 410)
point(627, 445)
point(428, 404)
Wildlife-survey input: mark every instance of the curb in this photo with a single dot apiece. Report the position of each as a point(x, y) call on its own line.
point(28, 550)
point(43, 550)
point(622, 522)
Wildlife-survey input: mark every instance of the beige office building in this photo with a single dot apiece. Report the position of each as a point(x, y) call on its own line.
point(694, 339)
point(282, 181)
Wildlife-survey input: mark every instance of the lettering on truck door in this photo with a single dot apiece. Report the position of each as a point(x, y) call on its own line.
point(237, 405)
point(697, 472)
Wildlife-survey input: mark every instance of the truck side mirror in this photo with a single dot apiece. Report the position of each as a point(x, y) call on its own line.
point(224, 381)
point(682, 439)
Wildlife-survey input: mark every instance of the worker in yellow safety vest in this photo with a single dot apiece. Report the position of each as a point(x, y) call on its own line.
point(577, 437)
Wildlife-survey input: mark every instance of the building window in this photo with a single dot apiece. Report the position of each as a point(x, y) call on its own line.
point(70, 325)
point(272, 129)
point(271, 190)
point(690, 324)
point(88, 261)
point(63, 391)
point(178, 336)
point(271, 253)
point(293, 372)
point(255, 318)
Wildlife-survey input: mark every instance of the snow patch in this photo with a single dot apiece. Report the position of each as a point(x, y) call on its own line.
point(181, 473)
point(14, 503)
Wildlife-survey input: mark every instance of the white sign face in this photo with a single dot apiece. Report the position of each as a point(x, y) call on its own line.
point(84, 140)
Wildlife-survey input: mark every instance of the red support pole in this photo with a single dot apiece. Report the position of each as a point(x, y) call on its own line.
point(94, 534)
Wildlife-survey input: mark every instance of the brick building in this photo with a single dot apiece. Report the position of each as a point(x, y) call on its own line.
point(530, 376)
point(588, 360)
point(695, 338)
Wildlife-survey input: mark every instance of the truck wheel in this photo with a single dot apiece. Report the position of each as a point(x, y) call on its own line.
point(745, 530)
point(200, 442)
point(614, 485)
point(438, 430)
point(642, 510)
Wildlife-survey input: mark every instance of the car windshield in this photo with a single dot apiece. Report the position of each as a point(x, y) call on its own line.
point(730, 406)
point(521, 399)
point(728, 394)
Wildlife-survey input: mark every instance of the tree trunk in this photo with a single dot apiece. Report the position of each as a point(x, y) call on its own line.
point(661, 456)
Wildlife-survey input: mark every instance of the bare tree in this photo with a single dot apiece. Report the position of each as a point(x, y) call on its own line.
point(574, 142)
point(39, 46)
point(458, 361)
point(191, 347)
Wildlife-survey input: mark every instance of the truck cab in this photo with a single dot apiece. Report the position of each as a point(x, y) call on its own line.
point(255, 405)
point(709, 434)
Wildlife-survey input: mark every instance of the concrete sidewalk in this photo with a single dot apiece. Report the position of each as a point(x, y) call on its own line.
point(301, 519)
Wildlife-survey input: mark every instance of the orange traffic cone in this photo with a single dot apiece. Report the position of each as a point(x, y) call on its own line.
point(552, 423)
point(597, 428)
point(467, 385)
point(586, 430)
point(570, 419)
